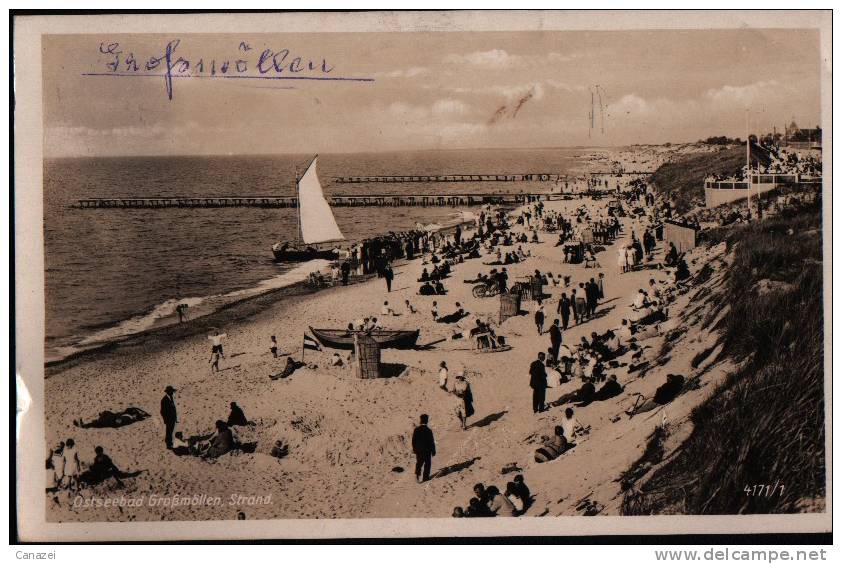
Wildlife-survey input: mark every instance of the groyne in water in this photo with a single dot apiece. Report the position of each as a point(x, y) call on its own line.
point(529, 177)
point(380, 200)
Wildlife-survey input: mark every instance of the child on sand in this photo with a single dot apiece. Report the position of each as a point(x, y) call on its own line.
point(274, 346)
point(539, 316)
point(386, 309)
point(464, 407)
point(443, 375)
point(72, 467)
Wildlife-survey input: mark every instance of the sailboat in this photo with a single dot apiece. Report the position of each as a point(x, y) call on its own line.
point(316, 224)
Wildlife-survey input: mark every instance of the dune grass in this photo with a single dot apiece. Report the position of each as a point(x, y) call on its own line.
point(685, 178)
point(765, 425)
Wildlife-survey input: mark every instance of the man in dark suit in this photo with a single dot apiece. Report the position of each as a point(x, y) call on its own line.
point(424, 447)
point(564, 310)
point(593, 297)
point(538, 383)
point(169, 414)
point(555, 339)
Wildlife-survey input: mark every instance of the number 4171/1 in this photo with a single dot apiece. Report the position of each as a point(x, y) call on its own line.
point(764, 490)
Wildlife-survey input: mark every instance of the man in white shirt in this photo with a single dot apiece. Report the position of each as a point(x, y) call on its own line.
point(216, 341)
point(570, 425)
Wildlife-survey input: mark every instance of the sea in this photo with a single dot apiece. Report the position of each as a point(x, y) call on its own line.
point(111, 273)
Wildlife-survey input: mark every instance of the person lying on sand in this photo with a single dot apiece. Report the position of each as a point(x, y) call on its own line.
point(663, 395)
point(473, 253)
point(180, 447)
point(553, 447)
point(455, 316)
point(481, 279)
point(111, 419)
point(103, 468)
point(291, 366)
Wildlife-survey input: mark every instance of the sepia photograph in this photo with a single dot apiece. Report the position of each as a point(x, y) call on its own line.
point(394, 271)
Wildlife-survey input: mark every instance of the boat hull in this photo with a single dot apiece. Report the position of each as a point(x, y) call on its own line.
point(302, 255)
point(344, 339)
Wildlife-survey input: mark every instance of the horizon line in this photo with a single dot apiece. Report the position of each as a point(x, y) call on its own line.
point(322, 153)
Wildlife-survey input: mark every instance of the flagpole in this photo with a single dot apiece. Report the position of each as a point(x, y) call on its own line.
point(748, 167)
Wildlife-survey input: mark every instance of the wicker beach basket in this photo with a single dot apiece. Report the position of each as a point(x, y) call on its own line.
point(366, 356)
point(509, 305)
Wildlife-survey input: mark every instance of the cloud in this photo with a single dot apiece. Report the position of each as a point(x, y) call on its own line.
point(403, 73)
point(632, 104)
point(443, 109)
point(492, 58)
point(450, 106)
point(508, 91)
point(747, 95)
point(565, 86)
point(499, 58)
point(513, 91)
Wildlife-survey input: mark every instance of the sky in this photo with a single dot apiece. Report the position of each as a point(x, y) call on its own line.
point(416, 91)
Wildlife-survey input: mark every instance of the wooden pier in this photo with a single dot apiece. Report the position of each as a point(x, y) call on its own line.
point(379, 200)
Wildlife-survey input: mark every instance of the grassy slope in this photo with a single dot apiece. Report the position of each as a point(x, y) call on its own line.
point(685, 178)
point(765, 424)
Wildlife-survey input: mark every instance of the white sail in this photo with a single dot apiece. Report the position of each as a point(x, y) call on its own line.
point(317, 222)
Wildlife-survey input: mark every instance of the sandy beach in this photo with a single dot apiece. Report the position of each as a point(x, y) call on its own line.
point(349, 439)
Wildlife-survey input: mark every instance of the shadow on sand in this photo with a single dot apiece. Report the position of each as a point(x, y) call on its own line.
point(391, 369)
point(428, 346)
point(488, 419)
point(455, 467)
